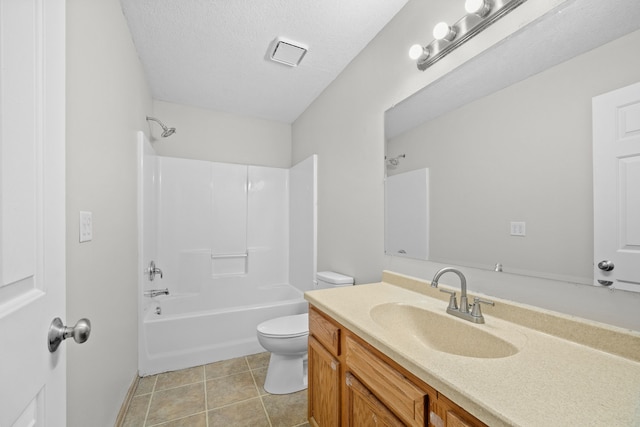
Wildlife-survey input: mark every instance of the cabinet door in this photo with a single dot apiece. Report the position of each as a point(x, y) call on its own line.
point(364, 409)
point(324, 386)
point(453, 420)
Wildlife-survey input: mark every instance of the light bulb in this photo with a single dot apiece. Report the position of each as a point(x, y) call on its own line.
point(442, 31)
point(416, 51)
point(477, 7)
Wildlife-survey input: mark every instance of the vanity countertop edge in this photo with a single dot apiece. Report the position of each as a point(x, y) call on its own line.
point(554, 379)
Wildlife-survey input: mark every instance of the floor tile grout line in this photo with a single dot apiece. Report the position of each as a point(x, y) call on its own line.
point(153, 389)
point(225, 376)
point(175, 419)
point(178, 386)
point(264, 408)
point(206, 399)
point(233, 403)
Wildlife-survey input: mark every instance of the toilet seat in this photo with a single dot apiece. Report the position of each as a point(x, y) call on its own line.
point(285, 327)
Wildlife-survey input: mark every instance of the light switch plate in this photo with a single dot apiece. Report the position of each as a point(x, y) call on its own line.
point(86, 227)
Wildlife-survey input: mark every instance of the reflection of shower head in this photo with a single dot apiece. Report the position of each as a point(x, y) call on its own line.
point(165, 130)
point(394, 161)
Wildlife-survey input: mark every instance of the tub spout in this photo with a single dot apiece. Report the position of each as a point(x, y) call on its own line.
point(155, 292)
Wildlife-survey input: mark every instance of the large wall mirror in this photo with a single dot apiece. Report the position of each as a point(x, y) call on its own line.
point(507, 139)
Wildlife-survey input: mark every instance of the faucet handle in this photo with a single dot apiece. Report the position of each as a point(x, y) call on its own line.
point(453, 303)
point(475, 311)
point(153, 270)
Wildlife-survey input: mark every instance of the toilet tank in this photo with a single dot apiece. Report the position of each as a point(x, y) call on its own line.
point(331, 279)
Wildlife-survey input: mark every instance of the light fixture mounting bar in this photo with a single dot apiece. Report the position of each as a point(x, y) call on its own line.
point(467, 27)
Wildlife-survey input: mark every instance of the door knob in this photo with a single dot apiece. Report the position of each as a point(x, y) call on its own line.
point(605, 265)
point(58, 332)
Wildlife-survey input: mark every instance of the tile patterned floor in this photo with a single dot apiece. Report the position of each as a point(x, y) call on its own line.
point(229, 393)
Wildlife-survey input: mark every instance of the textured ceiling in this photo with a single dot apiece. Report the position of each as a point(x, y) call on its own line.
point(214, 53)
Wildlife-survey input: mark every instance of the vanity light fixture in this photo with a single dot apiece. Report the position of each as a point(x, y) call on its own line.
point(478, 7)
point(442, 31)
point(418, 52)
point(480, 14)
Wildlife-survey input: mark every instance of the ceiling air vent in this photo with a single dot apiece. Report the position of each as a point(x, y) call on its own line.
point(288, 52)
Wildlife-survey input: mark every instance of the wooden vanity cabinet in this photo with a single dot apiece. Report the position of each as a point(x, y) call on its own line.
point(351, 384)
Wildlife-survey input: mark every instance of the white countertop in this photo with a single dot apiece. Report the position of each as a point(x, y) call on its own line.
point(550, 381)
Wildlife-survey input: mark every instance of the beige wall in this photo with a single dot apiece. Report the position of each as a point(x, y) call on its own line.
point(220, 137)
point(107, 100)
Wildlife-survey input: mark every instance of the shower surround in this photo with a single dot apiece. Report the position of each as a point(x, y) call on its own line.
point(236, 245)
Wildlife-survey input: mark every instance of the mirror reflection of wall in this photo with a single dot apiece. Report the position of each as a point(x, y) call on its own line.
point(522, 154)
point(407, 214)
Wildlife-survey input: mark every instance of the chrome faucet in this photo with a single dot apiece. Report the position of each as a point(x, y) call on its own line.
point(153, 270)
point(475, 315)
point(155, 292)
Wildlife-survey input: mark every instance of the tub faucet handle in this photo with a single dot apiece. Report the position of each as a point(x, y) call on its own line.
point(153, 270)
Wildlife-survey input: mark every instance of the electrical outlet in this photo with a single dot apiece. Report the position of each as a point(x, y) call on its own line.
point(518, 228)
point(86, 227)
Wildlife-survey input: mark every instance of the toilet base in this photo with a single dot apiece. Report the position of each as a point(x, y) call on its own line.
point(287, 373)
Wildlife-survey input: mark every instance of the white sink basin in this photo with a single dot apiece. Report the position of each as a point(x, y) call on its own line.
point(442, 332)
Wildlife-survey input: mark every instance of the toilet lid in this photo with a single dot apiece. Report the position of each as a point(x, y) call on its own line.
point(287, 326)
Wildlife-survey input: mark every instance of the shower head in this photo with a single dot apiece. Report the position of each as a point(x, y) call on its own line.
point(165, 130)
point(168, 132)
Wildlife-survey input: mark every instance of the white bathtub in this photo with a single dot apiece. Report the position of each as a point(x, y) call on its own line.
point(202, 328)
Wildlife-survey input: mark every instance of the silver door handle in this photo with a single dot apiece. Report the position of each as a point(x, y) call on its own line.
point(58, 332)
point(605, 265)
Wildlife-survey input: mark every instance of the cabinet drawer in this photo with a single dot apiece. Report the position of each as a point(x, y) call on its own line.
point(399, 394)
point(325, 331)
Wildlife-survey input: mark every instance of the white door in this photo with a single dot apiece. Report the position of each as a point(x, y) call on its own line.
point(616, 172)
point(32, 214)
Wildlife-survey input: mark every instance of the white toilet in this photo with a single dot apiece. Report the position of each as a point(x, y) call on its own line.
point(287, 338)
